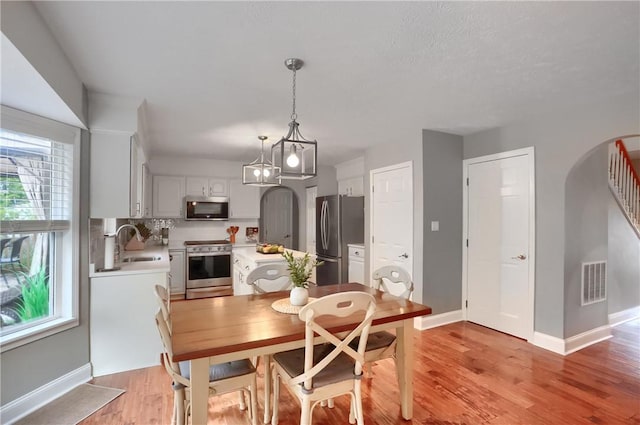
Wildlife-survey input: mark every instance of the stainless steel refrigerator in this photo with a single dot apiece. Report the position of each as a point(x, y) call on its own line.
point(339, 221)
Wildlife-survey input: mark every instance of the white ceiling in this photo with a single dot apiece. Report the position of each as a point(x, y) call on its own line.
point(376, 72)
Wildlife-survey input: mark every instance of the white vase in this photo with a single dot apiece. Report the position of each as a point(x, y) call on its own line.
point(298, 296)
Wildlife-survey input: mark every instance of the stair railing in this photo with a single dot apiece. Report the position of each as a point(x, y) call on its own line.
point(625, 183)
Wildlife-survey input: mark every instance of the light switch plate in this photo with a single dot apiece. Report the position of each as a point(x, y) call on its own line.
point(435, 226)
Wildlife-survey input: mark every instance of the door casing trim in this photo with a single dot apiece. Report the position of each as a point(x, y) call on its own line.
point(529, 152)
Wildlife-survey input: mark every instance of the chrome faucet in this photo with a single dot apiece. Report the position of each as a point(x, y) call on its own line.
point(112, 246)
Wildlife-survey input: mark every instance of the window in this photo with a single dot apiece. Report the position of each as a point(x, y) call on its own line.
point(39, 163)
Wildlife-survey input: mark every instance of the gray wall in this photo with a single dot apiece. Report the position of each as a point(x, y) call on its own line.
point(33, 365)
point(442, 257)
point(408, 149)
point(22, 24)
point(586, 222)
point(623, 267)
point(560, 140)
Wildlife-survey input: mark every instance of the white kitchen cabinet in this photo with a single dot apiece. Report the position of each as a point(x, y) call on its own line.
point(168, 196)
point(351, 187)
point(177, 274)
point(356, 263)
point(244, 200)
point(147, 190)
point(116, 175)
point(122, 334)
point(206, 186)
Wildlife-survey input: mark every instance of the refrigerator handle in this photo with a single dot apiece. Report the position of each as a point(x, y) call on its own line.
point(328, 226)
point(321, 223)
point(324, 225)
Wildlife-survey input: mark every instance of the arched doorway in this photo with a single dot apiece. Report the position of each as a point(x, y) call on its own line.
point(602, 251)
point(279, 217)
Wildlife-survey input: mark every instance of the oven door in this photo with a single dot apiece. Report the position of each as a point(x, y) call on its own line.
point(205, 270)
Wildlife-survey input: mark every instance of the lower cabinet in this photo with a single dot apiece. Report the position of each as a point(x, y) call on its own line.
point(356, 264)
point(177, 275)
point(122, 330)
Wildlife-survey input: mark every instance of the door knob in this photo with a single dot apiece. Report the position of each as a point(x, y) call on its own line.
point(519, 257)
point(403, 255)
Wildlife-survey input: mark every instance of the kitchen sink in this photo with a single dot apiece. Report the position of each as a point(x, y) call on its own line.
point(146, 258)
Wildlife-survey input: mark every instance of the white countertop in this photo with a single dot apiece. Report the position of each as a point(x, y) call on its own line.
point(140, 267)
point(251, 254)
point(356, 245)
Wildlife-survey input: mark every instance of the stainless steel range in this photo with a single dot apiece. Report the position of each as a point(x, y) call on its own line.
point(208, 269)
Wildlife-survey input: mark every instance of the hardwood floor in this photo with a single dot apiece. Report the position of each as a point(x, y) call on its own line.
point(464, 374)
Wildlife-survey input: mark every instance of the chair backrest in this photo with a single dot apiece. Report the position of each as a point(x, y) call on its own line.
point(341, 305)
point(172, 368)
point(16, 247)
point(162, 297)
point(394, 280)
point(268, 278)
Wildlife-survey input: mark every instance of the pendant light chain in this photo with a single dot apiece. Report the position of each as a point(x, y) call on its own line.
point(293, 114)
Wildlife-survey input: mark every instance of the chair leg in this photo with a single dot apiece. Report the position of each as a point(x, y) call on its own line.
point(243, 403)
point(305, 414)
point(276, 397)
point(352, 409)
point(254, 402)
point(266, 361)
point(358, 402)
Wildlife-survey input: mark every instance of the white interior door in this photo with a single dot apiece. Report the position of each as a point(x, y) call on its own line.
point(312, 193)
point(278, 217)
point(499, 218)
point(392, 217)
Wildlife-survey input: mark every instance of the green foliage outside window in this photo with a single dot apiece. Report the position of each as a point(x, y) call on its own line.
point(35, 296)
point(14, 204)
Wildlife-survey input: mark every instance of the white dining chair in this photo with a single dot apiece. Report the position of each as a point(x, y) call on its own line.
point(269, 278)
point(163, 299)
point(396, 281)
point(319, 372)
point(238, 375)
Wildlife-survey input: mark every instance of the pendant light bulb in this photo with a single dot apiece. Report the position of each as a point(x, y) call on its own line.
point(266, 172)
point(256, 173)
point(292, 159)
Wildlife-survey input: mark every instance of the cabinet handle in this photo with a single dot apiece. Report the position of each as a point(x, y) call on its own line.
point(357, 252)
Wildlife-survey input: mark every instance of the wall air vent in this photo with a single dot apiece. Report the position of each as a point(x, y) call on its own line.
point(594, 282)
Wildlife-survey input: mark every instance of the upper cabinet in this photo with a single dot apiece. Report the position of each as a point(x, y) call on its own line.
point(168, 194)
point(350, 176)
point(119, 178)
point(351, 187)
point(244, 200)
point(116, 175)
point(206, 186)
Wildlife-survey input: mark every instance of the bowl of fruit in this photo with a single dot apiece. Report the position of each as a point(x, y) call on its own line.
point(269, 248)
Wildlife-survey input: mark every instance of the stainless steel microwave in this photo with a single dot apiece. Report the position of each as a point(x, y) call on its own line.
point(206, 208)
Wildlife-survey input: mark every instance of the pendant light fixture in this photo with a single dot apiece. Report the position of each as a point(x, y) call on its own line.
point(294, 156)
point(260, 172)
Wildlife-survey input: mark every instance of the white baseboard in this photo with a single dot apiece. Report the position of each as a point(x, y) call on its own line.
point(428, 322)
point(590, 337)
point(571, 344)
point(37, 398)
point(620, 317)
point(548, 342)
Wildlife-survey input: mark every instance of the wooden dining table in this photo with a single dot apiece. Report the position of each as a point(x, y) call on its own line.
point(214, 330)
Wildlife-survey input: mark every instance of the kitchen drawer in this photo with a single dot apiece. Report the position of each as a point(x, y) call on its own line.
point(356, 253)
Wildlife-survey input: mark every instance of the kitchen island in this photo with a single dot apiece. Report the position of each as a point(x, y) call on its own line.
point(247, 259)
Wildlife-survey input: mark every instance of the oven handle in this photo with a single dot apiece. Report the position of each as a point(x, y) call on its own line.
point(208, 254)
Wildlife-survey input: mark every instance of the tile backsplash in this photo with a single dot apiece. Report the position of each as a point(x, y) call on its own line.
point(179, 231)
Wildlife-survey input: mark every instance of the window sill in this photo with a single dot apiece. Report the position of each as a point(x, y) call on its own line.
point(34, 333)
